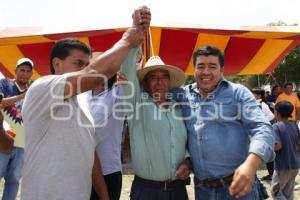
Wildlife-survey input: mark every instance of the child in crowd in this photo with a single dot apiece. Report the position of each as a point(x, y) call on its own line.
point(286, 161)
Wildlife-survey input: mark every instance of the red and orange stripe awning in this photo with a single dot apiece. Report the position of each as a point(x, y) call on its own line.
point(248, 50)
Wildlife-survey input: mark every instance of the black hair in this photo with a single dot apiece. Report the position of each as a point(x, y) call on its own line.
point(274, 88)
point(259, 91)
point(288, 84)
point(61, 49)
point(209, 51)
point(111, 81)
point(284, 108)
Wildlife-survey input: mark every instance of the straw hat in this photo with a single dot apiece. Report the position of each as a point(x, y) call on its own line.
point(177, 76)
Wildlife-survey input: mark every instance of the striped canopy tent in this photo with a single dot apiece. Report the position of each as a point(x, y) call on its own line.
point(248, 50)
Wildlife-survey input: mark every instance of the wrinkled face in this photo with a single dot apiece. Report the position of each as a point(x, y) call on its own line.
point(76, 61)
point(208, 73)
point(23, 74)
point(288, 89)
point(156, 83)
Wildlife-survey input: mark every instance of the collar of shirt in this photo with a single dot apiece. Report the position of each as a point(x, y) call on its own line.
point(195, 89)
point(170, 102)
point(19, 87)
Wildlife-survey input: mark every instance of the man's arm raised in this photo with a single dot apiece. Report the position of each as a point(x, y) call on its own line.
point(108, 63)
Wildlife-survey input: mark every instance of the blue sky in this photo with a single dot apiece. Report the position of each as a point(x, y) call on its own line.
point(99, 12)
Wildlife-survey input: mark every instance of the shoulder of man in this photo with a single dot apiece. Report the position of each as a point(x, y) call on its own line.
point(6, 81)
point(235, 86)
point(277, 124)
point(178, 93)
point(5, 84)
point(44, 81)
point(44, 89)
point(280, 97)
point(44, 85)
point(241, 92)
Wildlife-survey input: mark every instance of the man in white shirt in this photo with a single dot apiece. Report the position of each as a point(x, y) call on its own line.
point(107, 109)
point(59, 132)
point(259, 94)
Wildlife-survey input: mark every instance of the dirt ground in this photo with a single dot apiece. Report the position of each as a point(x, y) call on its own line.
point(127, 180)
point(128, 177)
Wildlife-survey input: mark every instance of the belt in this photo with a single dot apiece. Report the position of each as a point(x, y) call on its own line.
point(215, 183)
point(163, 185)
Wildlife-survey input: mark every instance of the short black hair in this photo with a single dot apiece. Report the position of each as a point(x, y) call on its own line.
point(259, 91)
point(209, 51)
point(288, 84)
point(284, 108)
point(275, 87)
point(111, 81)
point(61, 49)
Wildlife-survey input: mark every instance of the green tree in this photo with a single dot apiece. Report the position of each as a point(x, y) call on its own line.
point(189, 79)
point(278, 23)
point(288, 70)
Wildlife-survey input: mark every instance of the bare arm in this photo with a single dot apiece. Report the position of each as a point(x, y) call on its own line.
point(278, 146)
point(98, 180)
point(11, 100)
point(244, 175)
point(6, 142)
point(108, 63)
point(104, 66)
point(184, 169)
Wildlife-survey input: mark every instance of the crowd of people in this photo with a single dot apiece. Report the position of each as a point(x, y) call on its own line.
point(64, 132)
point(282, 109)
